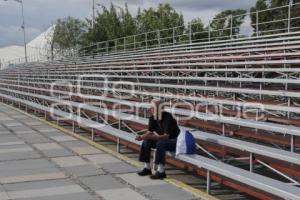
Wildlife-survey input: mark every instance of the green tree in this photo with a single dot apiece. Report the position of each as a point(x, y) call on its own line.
point(128, 27)
point(164, 17)
point(68, 33)
point(262, 16)
point(272, 21)
point(97, 33)
point(110, 25)
point(199, 32)
point(107, 26)
point(128, 23)
point(223, 22)
point(295, 13)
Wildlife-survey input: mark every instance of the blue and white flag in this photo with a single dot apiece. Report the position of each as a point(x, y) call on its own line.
point(186, 143)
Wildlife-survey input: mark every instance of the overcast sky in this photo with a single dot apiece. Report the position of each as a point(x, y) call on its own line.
point(40, 14)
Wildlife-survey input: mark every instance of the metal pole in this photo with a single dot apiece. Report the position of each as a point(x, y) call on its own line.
point(173, 35)
point(134, 45)
point(98, 47)
point(278, 172)
point(23, 27)
point(124, 43)
point(231, 26)
point(24, 32)
point(158, 35)
point(251, 162)
point(118, 145)
point(190, 33)
point(107, 47)
point(146, 40)
point(223, 129)
point(292, 143)
point(93, 19)
point(289, 15)
point(93, 134)
point(257, 23)
point(208, 182)
point(209, 31)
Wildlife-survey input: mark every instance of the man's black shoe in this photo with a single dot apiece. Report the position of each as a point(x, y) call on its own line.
point(145, 172)
point(158, 175)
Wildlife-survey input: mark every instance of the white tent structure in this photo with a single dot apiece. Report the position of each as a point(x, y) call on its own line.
point(36, 50)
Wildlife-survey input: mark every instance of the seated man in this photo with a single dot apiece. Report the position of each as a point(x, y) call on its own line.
point(162, 134)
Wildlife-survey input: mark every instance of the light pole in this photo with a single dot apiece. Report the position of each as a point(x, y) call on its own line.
point(94, 8)
point(23, 27)
point(99, 4)
point(93, 20)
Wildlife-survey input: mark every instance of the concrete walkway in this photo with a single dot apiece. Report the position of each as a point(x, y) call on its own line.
point(38, 162)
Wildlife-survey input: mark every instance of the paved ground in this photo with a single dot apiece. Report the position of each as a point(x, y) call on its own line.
point(38, 162)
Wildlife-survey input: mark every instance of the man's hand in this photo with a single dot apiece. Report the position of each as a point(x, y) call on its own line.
point(139, 138)
point(152, 136)
point(143, 137)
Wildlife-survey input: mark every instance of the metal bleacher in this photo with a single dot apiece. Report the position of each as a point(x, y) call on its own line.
point(239, 97)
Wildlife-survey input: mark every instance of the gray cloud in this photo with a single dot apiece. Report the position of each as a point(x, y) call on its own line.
point(13, 35)
point(41, 14)
point(212, 4)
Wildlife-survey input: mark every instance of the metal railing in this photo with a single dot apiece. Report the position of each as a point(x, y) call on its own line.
point(186, 35)
point(40, 56)
point(189, 34)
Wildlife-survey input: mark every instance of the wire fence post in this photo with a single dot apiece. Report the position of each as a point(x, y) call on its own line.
point(289, 15)
point(173, 35)
point(97, 47)
point(158, 36)
point(146, 40)
point(209, 31)
point(257, 32)
point(134, 45)
point(231, 26)
point(107, 47)
point(190, 33)
point(124, 43)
